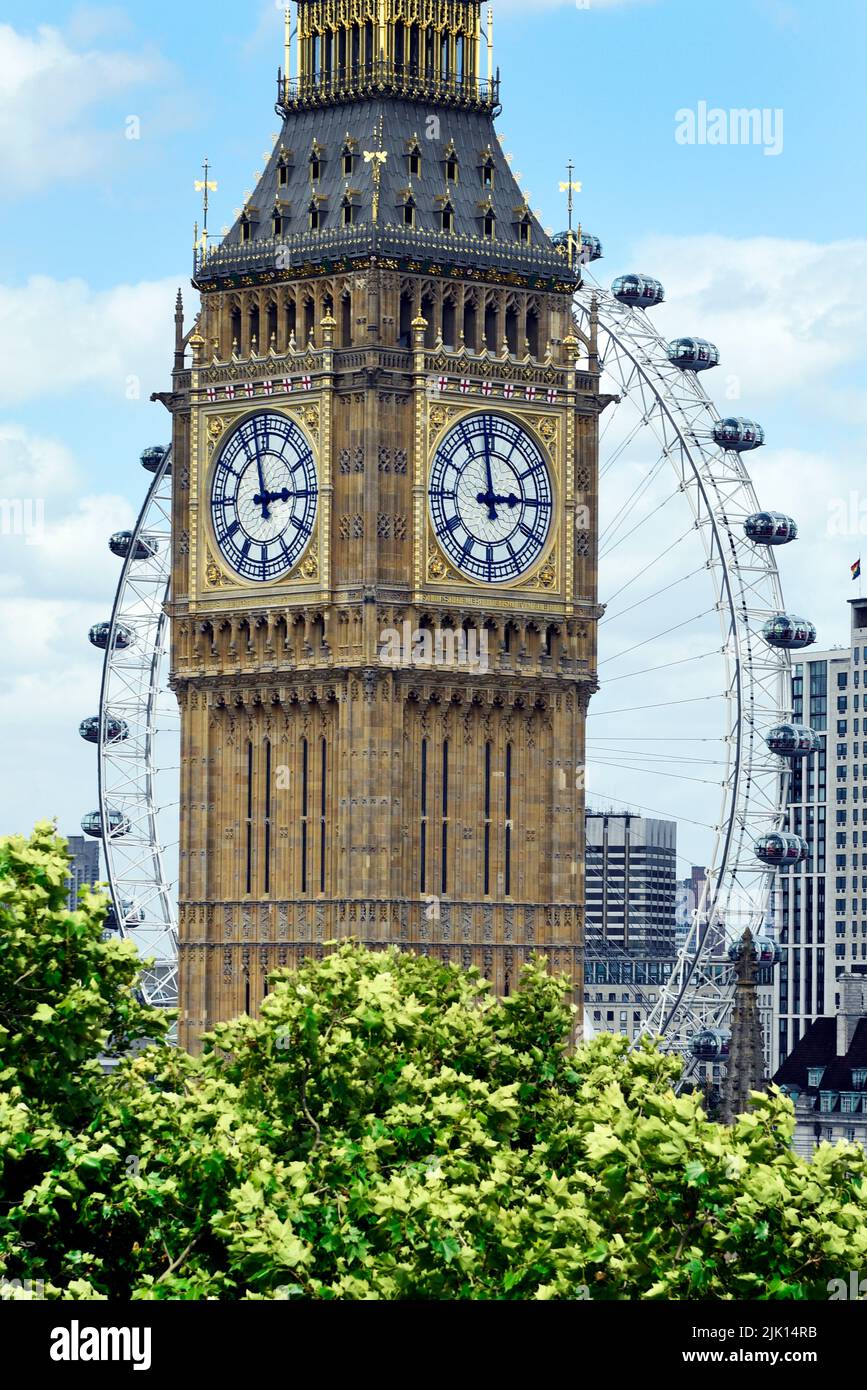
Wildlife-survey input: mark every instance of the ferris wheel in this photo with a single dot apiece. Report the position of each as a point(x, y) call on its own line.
point(691, 722)
point(696, 729)
point(136, 733)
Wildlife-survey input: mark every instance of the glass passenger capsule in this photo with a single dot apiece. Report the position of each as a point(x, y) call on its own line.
point(765, 951)
point(152, 458)
point(793, 740)
point(116, 730)
point(641, 291)
point(782, 847)
point(738, 434)
point(121, 543)
point(770, 528)
point(590, 248)
point(711, 1045)
point(131, 916)
point(117, 824)
point(100, 635)
point(693, 354)
point(788, 632)
point(770, 952)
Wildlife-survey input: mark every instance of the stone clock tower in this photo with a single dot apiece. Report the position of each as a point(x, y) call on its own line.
point(384, 587)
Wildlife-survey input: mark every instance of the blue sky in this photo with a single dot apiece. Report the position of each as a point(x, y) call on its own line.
point(765, 254)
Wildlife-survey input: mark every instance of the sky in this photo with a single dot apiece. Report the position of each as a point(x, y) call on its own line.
point(106, 113)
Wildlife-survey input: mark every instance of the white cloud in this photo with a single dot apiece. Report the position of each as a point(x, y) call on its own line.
point(783, 313)
point(50, 92)
point(119, 339)
point(60, 548)
point(50, 595)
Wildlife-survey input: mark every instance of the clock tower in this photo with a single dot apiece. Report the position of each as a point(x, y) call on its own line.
point(384, 576)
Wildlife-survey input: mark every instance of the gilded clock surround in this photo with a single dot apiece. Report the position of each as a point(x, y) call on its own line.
point(218, 428)
point(324, 792)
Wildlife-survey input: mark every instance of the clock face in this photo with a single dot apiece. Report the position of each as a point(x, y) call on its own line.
point(491, 500)
point(264, 497)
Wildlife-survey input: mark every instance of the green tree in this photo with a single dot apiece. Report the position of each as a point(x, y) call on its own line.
point(388, 1130)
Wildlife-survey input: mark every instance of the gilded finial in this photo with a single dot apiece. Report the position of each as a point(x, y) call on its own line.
point(571, 188)
point(204, 186)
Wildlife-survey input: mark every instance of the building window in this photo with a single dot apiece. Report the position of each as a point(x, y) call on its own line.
point(423, 835)
point(490, 225)
point(348, 213)
point(267, 826)
point(305, 799)
point(487, 829)
point(814, 1077)
point(448, 217)
point(445, 821)
point(409, 213)
point(315, 218)
point(508, 847)
point(249, 888)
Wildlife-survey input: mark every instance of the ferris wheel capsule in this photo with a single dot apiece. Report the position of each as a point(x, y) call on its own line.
point(131, 916)
point(793, 741)
point(711, 1045)
point(693, 354)
point(738, 434)
point(121, 544)
point(788, 632)
point(116, 730)
point(588, 247)
point(781, 848)
point(639, 291)
point(117, 824)
point(770, 952)
point(770, 528)
point(152, 458)
point(100, 636)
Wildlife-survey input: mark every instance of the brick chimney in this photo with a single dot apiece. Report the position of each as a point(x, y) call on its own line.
point(851, 1008)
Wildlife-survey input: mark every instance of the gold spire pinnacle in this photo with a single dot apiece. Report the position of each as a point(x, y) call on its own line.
point(571, 187)
point(204, 186)
point(377, 158)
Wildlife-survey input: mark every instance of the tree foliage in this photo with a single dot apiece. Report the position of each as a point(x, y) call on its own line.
point(386, 1130)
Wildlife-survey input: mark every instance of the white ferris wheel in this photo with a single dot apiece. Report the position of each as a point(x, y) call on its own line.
point(692, 721)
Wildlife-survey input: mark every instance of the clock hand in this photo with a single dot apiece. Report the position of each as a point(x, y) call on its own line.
point(263, 498)
point(488, 498)
point(491, 499)
point(267, 498)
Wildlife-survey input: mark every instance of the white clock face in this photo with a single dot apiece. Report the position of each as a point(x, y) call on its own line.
point(491, 500)
point(264, 497)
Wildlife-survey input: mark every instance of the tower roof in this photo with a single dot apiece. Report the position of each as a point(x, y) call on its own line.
point(412, 128)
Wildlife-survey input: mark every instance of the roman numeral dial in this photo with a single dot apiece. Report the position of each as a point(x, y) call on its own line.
point(264, 497)
point(491, 499)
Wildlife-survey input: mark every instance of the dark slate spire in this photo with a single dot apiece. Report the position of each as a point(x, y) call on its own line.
point(374, 80)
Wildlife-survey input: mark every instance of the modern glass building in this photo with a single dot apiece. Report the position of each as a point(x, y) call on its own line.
point(631, 881)
point(822, 903)
point(84, 871)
